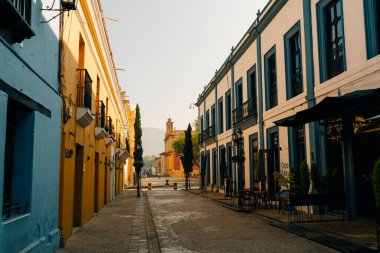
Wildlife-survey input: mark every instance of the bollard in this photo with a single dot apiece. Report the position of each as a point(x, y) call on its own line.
point(175, 186)
point(167, 182)
point(149, 186)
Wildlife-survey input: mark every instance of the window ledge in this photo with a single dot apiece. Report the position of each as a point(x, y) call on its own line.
point(15, 219)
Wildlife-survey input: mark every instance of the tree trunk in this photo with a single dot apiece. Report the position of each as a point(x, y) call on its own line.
point(138, 185)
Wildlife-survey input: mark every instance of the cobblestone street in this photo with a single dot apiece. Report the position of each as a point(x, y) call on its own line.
point(179, 221)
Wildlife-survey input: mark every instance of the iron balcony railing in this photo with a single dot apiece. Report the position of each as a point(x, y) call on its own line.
point(23, 7)
point(245, 111)
point(209, 132)
point(84, 89)
point(101, 115)
point(200, 137)
point(109, 128)
point(118, 141)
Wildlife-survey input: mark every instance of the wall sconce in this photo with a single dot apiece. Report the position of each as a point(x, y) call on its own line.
point(69, 153)
point(68, 5)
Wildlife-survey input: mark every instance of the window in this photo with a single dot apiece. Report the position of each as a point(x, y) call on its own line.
point(201, 128)
point(251, 77)
point(213, 120)
point(16, 20)
point(18, 172)
point(372, 27)
point(207, 119)
point(228, 110)
point(239, 93)
point(293, 64)
point(270, 79)
point(220, 115)
point(330, 38)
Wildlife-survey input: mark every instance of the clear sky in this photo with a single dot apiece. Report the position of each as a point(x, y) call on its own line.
point(170, 50)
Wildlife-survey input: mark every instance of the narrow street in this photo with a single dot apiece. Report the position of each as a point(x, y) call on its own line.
point(180, 221)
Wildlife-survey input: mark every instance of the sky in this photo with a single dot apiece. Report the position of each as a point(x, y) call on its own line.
point(170, 50)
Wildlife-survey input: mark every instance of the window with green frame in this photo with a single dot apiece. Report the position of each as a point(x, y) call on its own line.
point(271, 99)
point(372, 27)
point(330, 39)
point(293, 63)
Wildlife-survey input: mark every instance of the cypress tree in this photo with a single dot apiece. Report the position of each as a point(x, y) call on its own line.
point(188, 155)
point(138, 153)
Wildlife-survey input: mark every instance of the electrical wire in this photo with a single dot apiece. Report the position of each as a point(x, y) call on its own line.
point(68, 39)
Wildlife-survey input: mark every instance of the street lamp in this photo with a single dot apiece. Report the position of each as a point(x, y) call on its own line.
point(237, 137)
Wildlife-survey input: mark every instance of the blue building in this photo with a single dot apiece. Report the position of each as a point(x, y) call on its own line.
point(30, 116)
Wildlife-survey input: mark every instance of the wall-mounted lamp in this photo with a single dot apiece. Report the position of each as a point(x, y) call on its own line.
point(69, 153)
point(67, 5)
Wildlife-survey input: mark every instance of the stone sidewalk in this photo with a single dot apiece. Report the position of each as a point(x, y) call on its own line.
point(121, 226)
point(345, 236)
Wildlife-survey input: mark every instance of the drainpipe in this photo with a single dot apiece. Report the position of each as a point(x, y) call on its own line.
point(234, 172)
point(216, 134)
point(260, 95)
point(310, 96)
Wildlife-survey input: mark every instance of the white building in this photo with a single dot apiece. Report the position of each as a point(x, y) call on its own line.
point(295, 55)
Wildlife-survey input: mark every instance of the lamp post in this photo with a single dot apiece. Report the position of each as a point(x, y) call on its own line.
point(238, 139)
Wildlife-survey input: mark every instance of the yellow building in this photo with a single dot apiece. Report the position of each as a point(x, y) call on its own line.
point(173, 165)
point(94, 120)
point(131, 116)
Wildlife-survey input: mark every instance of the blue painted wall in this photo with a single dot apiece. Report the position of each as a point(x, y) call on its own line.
point(32, 69)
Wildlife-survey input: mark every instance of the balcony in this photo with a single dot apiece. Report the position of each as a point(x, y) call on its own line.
point(110, 133)
point(15, 17)
point(245, 111)
point(209, 133)
point(84, 94)
point(200, 137)
point(123, 155)
point(100, 131)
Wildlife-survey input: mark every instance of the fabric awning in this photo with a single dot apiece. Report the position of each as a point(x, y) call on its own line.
point(362, 102)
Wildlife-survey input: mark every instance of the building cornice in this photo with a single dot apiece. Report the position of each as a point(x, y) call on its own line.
point(271, 9)
point(103, 62)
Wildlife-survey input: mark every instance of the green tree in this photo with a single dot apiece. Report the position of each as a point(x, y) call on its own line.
point(138, 153)
point(178, 145)
point(188, 156)
point(195, 140)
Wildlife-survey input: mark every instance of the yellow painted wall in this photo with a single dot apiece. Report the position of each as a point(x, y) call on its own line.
point(83, 189)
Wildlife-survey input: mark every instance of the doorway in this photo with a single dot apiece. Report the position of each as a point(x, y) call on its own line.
point(78, 185)
point(96, 184)
point(273, 158)
point(105, 180)
point(365, 152)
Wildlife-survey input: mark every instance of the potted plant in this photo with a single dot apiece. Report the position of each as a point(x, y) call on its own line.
point(315, 178)
point(304, 177)
point(376, 191)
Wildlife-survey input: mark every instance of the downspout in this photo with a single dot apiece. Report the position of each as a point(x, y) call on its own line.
point(260, 95)
point(216, 134)
point(234, 173)
point(310, 96)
